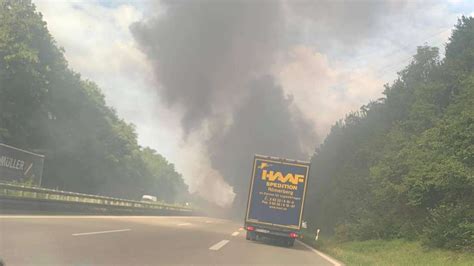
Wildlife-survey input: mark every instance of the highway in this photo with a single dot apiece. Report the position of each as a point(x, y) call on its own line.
point(139, 240)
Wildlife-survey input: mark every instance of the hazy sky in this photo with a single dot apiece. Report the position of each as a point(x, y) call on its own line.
point(325, 57)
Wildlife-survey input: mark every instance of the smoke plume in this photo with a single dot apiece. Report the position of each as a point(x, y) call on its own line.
point(211, 59)
point(204, 51)
point(213, 63)
point(266, 122)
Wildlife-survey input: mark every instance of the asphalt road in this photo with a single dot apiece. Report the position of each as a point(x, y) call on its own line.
point(138, 240)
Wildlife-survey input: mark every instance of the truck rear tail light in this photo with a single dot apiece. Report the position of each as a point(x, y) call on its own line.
point(250, 228)
point(293, 235)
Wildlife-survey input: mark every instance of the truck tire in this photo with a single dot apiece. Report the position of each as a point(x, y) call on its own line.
point(251, 236)
point(290, 242)
point(247, 236)
point(255, 237)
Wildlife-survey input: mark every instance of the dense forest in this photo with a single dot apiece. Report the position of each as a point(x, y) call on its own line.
point(403, 166)
point(48, 108)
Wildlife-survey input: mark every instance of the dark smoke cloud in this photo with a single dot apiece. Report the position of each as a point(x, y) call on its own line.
point(264, 123)
point(203, 51)
point(214, 57)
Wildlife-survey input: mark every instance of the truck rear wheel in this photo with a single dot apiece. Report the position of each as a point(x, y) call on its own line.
point(290, 242)
point(251, 236)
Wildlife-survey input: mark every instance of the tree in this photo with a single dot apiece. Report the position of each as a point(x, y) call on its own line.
point(48, 108)
point(403, 166)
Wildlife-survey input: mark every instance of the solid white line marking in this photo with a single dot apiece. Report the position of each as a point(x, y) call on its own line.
point(184, 224)
point(101, 232)
point(208, 222)
point(326, 257)
point(219, 245)
point(235, 233)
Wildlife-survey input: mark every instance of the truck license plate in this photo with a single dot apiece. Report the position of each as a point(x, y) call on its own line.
point(262, 230)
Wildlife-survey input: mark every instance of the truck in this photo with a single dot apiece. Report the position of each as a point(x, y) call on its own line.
point(276, 199)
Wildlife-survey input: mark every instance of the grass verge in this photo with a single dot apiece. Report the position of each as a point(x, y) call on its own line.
point(392, 252)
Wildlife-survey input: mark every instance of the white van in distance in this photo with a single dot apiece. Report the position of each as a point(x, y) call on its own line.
point(149, 198)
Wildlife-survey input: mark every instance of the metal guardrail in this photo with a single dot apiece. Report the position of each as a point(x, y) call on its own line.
point(26, 192)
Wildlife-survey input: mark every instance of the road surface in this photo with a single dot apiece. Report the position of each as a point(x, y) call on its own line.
point(138, 240)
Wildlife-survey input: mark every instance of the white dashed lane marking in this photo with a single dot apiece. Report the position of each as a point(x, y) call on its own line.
point(101, 232)
point(184, 224)
point(219, 245)
point(235, 233)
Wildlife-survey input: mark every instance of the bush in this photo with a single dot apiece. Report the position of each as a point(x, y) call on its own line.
point(450, 226)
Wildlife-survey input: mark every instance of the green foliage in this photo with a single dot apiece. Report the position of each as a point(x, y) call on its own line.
point(403, 166)
point(392, 252)
point(450, 226)
point(46, 107)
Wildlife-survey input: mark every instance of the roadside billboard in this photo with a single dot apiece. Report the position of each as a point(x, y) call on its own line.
point(20, 165)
